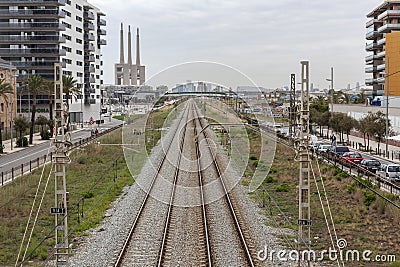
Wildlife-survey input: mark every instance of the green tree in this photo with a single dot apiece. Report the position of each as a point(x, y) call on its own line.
point(71, 90)
point(41, 121)
point(319, 112)
point(348, 124)
point(20, 125)
point(49, 89)
point(5, 88)
point(35, 85)
point(377, 127)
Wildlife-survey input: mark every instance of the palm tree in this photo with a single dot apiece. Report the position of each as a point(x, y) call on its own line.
point(71, 90)
point(35, 85)
point(5, 88)
point(49, 89)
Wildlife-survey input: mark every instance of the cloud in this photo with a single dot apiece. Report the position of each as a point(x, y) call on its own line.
point(266, 39)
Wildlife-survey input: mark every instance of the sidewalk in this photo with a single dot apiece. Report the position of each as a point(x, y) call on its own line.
point(394, 151)
point(7, 144)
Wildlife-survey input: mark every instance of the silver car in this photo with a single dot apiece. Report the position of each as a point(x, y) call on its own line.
point(389, 171)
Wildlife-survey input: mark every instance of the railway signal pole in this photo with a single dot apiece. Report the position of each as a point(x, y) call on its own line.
point(302, 139)
point(60, 210)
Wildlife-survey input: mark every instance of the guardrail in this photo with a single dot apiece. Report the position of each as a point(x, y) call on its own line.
point(27, 167)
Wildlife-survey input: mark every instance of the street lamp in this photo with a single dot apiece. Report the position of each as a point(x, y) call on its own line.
point(11, 104)
point(333, 90)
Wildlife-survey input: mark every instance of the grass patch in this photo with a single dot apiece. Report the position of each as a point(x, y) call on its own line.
point(86, 178)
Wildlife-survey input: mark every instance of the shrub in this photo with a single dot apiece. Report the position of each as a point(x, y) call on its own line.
point(282, 188)
point(255, 163)
point(369, 197)
point(88, 194)
point(45, 135)
point(269, 179)
point(22, 142)
point(81, 160)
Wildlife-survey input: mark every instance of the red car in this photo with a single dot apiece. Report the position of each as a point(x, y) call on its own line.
point(351, 158)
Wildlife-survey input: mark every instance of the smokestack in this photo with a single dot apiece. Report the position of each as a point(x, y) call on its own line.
point(129, 46)
point(137, 48)
point(121, 43)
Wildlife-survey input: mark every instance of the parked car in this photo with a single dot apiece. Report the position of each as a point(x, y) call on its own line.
point(323, 148)
point(314, 146)
point(351, 158)
point(389, 171)
point(371, 165)
point(335, 152)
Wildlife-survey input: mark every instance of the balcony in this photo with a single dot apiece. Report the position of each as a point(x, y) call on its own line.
point(381, 41)
point(380, 80)
point(89, 69)
point(37, 39)
point(31, 26)
point(89, 26)
point(370, 69)
point(102, 42)
point(89, 91)
point(389, 13)
point(381, 67)
point(43, 52)
point(37, 13)
point(372, 22)
point(380, 55)
point(370, 81)
point(101, 32)
point(90, 58)
point(388, 28)
point(88, 15)
point(89, 48)
point(89, 37)
point(32, 2)
point(102, 22)
point(38, 65)
point(90, 101)
point(372, 35)
point(369, 58)
point(371, 47)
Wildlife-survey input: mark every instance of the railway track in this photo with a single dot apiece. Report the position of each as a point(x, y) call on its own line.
point(185, 235)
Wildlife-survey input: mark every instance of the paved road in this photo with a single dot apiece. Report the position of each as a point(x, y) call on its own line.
point(7, 162)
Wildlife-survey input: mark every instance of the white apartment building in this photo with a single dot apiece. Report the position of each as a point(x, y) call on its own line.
point(84, 39)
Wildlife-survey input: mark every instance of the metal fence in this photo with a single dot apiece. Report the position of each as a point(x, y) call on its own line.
point(27, 167)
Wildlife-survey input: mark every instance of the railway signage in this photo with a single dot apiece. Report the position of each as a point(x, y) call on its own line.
point(57, 210)
point(91, 121)
point(304, 222)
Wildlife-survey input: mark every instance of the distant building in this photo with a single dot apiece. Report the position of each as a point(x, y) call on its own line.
point(383, 38)
point(5, 104)
point(127, 73)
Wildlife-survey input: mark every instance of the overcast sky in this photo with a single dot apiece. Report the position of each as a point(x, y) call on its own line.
point(264, 39)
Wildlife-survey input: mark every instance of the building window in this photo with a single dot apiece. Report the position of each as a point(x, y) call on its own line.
point(79, 41)
point(67, 13)
point(97, 57)
point(66, 37)
point(97, 67)
point(68, 2)
point(67, 49)
point(79, 52)
point(78, 29)
point(78, 18)
point(2, 107)
point(79, 74)
point(78, 7)
point(67, 24)
point(67, 73)
point(68, 61)
point(97, 76)
point(79, 63)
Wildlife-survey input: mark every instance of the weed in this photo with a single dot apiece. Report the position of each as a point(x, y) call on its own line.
point(282, 188)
